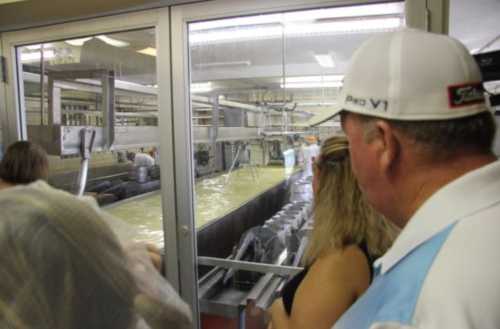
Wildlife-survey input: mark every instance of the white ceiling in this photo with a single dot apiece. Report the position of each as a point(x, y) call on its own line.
point(259, 63)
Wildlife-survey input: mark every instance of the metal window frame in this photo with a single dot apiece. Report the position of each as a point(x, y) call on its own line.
point(174, 100)
point(182, 15)
point(12, 110)
point(428, 15)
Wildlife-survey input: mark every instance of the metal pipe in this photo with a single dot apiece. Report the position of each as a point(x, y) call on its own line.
point(42, 85)
point(233, 164)
point(82, 176)
point(249, 266)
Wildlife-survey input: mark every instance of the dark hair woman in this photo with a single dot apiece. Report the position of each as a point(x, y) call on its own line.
point(23, 163)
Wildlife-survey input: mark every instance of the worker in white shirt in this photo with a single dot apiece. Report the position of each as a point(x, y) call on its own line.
point(309, 152)
point(141, 159)
point(420, 140)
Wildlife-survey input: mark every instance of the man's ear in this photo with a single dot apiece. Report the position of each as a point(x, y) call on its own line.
point(387, 145)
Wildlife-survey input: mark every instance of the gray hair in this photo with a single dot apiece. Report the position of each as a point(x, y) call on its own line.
point(63, 268)
point(442, 139)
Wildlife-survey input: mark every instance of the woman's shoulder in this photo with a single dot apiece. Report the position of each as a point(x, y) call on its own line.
point(349, 263)
point(351, 255)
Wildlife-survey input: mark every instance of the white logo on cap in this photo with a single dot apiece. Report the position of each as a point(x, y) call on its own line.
point(370, 103)
point(466, 94)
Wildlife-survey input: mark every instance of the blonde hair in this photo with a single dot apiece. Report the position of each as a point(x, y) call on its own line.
point(341, 215)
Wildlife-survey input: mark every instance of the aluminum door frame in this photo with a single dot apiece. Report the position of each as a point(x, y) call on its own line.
point(13, 110)
point(182, 15)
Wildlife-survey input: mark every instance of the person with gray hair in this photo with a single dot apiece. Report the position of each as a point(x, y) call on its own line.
point(63, 268)
point(420, 135)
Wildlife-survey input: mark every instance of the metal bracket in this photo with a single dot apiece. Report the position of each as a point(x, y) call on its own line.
point(87, 137)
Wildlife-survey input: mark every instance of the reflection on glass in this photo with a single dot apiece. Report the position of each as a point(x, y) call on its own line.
point(104, 84)
point(258, 83)
point(475, 23)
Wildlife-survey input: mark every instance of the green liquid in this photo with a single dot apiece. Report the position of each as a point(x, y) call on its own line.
point(215, 197)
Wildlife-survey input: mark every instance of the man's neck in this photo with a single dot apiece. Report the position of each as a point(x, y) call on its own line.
point(426, 180)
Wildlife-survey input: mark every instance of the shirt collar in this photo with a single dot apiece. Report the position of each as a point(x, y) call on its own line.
point(455, 201)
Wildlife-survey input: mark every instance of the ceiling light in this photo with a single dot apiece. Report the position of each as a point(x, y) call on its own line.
point(313, 81)
point(77, 42)
point(308, 15)
point(222, 64)
point(356, 25)
point(201, 87)
point(38, 46)
point(293, 30)
point(325, 60)
point(113, 42)
point(313, 78)
point(236, 22)
point(316, 104)
point(37, 56)
point(346, 12)
point(148, 51)
point(311, 85)
point(247, 33)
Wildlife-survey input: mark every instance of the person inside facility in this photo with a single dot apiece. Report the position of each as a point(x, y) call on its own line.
point(23, 163)
point(420, 139)
point(308, 152)
point(141, 159)
point(64, 268)
point(347, 237)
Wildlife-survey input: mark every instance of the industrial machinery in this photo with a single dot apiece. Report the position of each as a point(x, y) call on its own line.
point(247, 281)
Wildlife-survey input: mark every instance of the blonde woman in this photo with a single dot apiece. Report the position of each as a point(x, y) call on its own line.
point(347, 236)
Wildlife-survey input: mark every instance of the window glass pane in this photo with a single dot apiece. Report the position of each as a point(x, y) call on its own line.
point(475, 23)
point(257, 85)
point(107, 84)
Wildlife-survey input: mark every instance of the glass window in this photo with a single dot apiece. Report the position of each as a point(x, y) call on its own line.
point(257, 85)
point(475, 23)
point(103, 84)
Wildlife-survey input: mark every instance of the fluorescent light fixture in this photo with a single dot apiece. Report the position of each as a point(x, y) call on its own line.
point(77, 42)
point(148, 51)
point(113, 42)
point(346, 12)
point(313, 81)
point(110, 41)
point(294, 30)
point(38, 46)
point(236, 22)
point(308, 15)
point(201, 87)
point(37, 56)
point(316, 104)
point(312, 85)
point(314, 78)
point(223, 64)
point(356, 25)
point(325, 60)
point(247, 33)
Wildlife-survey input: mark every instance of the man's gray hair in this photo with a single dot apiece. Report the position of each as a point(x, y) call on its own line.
point(441, 139)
